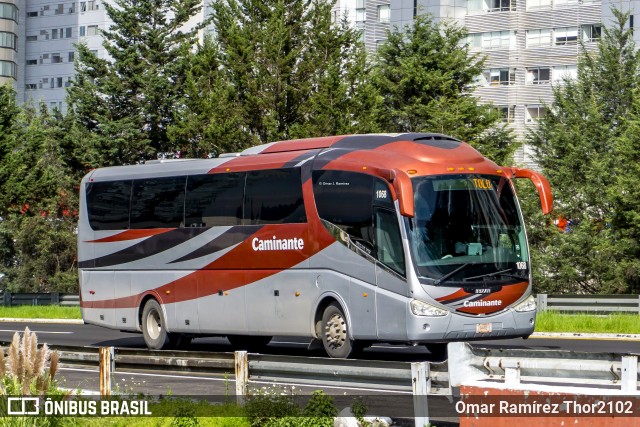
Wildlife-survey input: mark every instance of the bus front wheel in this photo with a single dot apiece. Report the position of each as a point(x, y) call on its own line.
point(153, 326)
point(335, 333)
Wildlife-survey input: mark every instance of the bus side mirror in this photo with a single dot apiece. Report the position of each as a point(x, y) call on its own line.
point(404, 190)
point(542, 185)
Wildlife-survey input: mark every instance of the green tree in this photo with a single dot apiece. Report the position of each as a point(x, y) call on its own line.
point(587, 146)
point(126, 102)
point(295, 73)
point(38, 203)
point(425, 74)
point(211, 120)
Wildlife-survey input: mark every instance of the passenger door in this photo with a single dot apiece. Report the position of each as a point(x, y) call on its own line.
point(391, 291)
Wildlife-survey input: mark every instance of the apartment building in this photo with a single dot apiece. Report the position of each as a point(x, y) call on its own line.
point(9, 31)
point(530, 45)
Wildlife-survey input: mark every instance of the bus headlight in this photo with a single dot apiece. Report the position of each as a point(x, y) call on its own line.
point(527, 305)
point(421, 308)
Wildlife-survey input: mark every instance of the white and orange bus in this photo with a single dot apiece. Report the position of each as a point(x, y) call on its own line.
point(349, 240)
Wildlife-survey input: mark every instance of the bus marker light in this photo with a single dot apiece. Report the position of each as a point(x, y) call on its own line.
point(167, 292)
point(226, 293)
point(412, 171)
point(460, 169)
point(499, 171)
point(471, 169)
point(297, 294)
point(228, 169)
point(364, 168)
point(451, 169)
point(364, 294)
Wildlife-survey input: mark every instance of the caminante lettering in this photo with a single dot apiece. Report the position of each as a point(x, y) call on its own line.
point(495, 303)
point(275, 244)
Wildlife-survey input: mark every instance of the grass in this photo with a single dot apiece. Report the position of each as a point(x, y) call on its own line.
point(40, 312)
point(547, 321)
point(618, 323)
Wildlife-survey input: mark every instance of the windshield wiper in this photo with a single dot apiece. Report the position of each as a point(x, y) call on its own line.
point(498, 273)
point(451, 273)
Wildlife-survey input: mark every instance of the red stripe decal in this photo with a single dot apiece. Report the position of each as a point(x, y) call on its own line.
point(131, 235)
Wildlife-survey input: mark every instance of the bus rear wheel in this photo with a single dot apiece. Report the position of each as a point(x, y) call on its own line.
point(154, 327)
point(335, 333)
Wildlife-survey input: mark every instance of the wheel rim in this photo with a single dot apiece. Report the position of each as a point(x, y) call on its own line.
point(336, 331)
point(154, 326)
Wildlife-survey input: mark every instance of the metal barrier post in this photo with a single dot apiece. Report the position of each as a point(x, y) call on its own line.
point(629, 374)
point(107, 366)
point(541, 302)
point(421, 385)
point(242, 375)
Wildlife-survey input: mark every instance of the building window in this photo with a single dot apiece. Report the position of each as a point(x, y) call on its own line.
point(508, 112)
point(591, 33)
point(92, 30)
point(10, 11)
point(565, 36)
point(83, 31)
point(499, 77)
point(31, 86)
point(32, 38)
point(56, 58)
point(32, 14)
point(60, 9)
point(538, 76)
point(491, 40)
point(533, 113)
point(32, 62)
point(52, 83)
point(538, 38)
point(538, 4)
point(67, 32)
point(83, 6)
point(361, 11)
point(384, 13)
point(54, 33)
point(8, 69)
point(7, 40)
point(68, 82)
point(59, 82)
point(562, 3)
point(491, 5)
point(564, 72)
point(71, 56)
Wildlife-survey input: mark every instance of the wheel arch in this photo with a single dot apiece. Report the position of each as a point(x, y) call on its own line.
point(143, 301)
point(323, 302)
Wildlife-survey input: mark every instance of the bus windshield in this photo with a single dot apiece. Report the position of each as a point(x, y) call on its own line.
point(467, 228)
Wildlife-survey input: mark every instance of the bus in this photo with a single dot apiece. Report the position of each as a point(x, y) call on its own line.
point(411, 238)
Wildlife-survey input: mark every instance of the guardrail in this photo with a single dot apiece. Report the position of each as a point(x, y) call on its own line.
point(564, 303)
point(589, 303)
point(513, 367)
point(10, 299)
point(605, 373)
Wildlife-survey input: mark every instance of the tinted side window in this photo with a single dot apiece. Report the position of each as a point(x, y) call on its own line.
point(214, 200)
point(389, 249)
point(108, 205)
point(157, 202)
point(346, 200)
point(274, 197)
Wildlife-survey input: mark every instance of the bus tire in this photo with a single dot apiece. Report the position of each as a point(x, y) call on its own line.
point(154, 327)
point(249, 343)
point(335, 332)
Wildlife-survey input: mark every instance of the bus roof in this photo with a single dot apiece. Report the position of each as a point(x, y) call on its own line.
point(422, 153)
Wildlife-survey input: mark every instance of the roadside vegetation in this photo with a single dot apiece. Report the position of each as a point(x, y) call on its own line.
point(40, 312)
point(618, 323)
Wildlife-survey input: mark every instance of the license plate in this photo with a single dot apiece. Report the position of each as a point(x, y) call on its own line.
point(483, 328)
